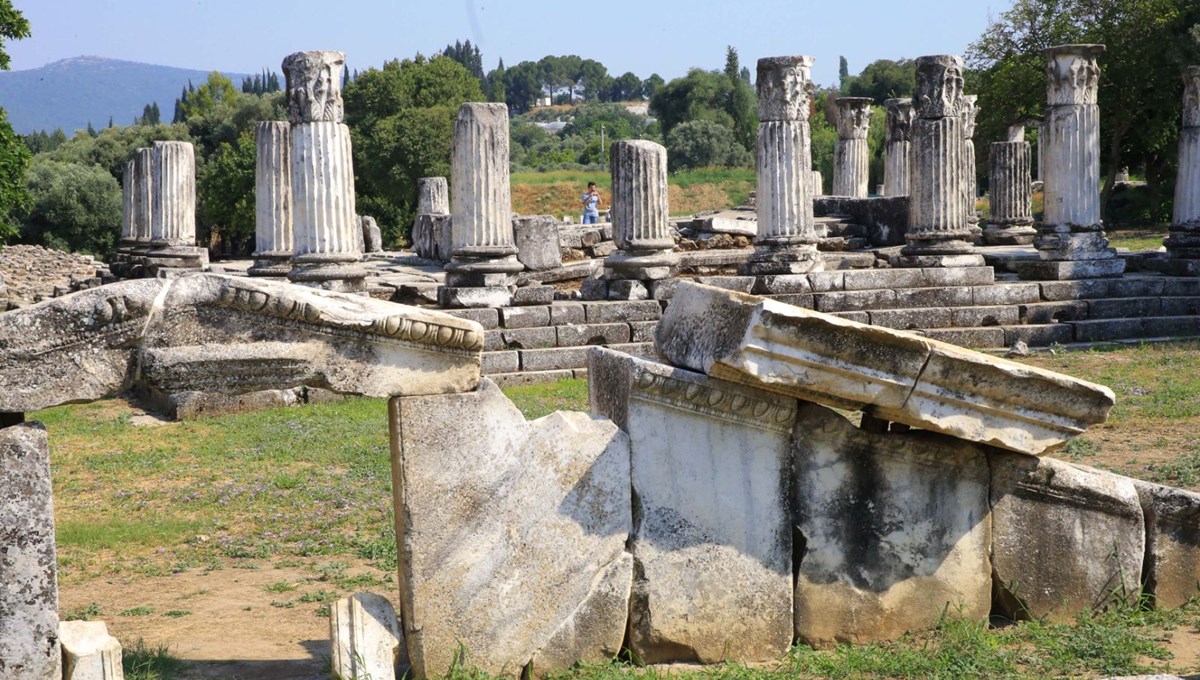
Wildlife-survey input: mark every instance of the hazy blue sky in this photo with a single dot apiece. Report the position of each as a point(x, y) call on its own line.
point(643, 36)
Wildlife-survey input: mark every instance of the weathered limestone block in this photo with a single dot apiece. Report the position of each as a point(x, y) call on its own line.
point(1171, 571)
point(433, 196)
point(372, 236)
point(364, 638)
point(482, 199)
point(851, 157)
point(273, 243)
point(536, 237)
point(511, 534)
point(327, 238)
point(432, 237)
point(712, 542)
point(897, 145)
point(89, 652)
point(1065, 538)
point(1010, 219)
point(231, 335)
point(314, 86)
point(75, 348)
point(640, 216)
point(29, 647)
point(895, 375)
point(896, 531)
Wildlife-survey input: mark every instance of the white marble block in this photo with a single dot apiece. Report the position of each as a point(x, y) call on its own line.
point(712, 542)
point(365, 640)
point(89, 652)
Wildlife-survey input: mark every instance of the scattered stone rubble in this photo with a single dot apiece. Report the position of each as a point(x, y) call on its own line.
point(34, 273)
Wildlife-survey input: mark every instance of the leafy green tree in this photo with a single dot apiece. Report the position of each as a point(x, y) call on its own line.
point(225, 190)
point(703, 143)
point(112, 148)
point(843, 74)
point(652, 85)
point(710, 96)
point(14, 156)
point(13, 26)
point(208, 97)
point(1149, 41)
point(401, 120)
point(884, 79)
point(74, 207)
point(732, 68)
point(623, 88)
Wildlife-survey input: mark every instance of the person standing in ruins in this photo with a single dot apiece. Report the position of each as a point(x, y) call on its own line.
point(591, 204)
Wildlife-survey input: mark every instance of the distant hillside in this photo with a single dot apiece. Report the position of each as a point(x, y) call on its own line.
point(69, 93)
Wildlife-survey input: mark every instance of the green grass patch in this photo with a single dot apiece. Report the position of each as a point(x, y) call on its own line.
point(150, 662)
point(536, 401)
point(177, 613)
point(138, 611)
point(117, 533)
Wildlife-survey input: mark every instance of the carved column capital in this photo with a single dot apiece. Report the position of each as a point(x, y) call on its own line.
point(900, 114)
point(314, 86)
point(785, 88)
point(853, 117)
point(1072, 74)
point(939, 86)
point(970, 110)
point(1191, 97)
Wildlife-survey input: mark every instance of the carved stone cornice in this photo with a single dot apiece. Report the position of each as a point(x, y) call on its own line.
point(314, 86)
point(661, 384)
point(939, 85)
point(1072, 74)
point(785, 88)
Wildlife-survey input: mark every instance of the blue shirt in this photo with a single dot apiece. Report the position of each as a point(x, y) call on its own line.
point(591, 204)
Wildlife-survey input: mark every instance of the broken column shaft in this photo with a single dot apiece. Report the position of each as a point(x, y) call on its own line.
point(273, 240)
point(1183, 244)
point(897, 145)
point(851, 157)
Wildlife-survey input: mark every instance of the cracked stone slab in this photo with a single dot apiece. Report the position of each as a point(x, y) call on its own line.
point(894, 375)
point(229, 335)
point(712, 542)
point(511, 534)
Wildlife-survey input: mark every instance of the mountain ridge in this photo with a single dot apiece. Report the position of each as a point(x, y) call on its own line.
point(70, 93)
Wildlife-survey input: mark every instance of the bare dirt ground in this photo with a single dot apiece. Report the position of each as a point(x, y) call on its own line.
point(231, 629)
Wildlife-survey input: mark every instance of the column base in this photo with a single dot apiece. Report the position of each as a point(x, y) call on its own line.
point(346, 277)
point(937, 260)
point(644, 265)
point(271, 264)
point(1069, 270)
point(1009, 234)
point(617, 289)
point(485, 261)
point(767, 260)
point(1059, 246)
point(473, 297)
point(176, 257)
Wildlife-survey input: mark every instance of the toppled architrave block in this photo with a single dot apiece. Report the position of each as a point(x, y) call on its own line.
point(511, 534)
point(229, 335)
point(89, 652)
point(364, 639)
point(1171, 571)
point(76, 348)
point(712, 543)
point(894, 375)
point(29, 647)
point(896, 531)
point(1065, 538)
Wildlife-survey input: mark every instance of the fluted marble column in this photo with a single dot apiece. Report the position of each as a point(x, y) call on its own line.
point(897, 146)
point(1010, 221)
point(1183, 243)
point(938, 233)
point(433, 196)
point(970, 109)
point(326, 241)
point(851, 157)
point(274, 245)
point(127, 236)
point(818, 182)
point(483, 253)
point(1071, 242)
point(639, 213)
point(143, 196)
point(787, 239)
point(173, 220)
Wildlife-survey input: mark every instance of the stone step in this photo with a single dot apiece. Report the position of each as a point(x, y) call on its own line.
point(925, 298)
point(1099, 330)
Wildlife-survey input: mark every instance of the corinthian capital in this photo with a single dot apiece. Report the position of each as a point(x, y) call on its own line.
point(314, 86)
point(1191, 96)
point(853, 117)
point(1072, 74)
point(939, 85)
point(785, 88)
point(899, 120)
